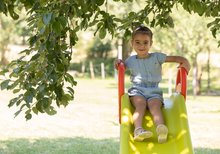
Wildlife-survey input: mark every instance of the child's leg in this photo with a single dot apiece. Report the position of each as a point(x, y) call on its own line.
point(140, 105)
point(154, 106)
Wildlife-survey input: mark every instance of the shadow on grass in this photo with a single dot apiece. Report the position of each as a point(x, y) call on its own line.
point(78, 145)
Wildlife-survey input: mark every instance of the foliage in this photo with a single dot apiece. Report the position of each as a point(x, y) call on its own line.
point(99, 49)
point(40, 81)
point(11, 32)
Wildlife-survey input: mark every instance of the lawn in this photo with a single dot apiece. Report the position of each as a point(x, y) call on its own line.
point(89, 125)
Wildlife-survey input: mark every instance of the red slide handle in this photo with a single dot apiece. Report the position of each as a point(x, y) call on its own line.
point(181, 80)
point(121, 87)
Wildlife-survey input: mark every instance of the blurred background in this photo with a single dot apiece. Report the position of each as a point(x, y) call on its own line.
point(90, 123)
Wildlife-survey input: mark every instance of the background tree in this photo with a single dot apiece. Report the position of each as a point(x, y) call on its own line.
point(189, 40)
point(10, 31)
point(193, 39)
point(40, 82)
point(5, 34)
point(99, 49)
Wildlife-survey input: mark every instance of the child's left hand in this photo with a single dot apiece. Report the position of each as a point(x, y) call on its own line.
point(185, 65)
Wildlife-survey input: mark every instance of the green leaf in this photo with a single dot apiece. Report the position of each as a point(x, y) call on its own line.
point(17, 113)
point(152, 23)
point(46, 102)
point(50, 110)
point(100, 2)
point(47, 18)
point(127, 33)
point(214, 30)
point(13, 85)
point(131, 14)
point(56, 27)
point(20, 99)
point(13, 101)
point(5, 84)
point(28, 96)
point(41, 88)
point(146, 20)
point(39, 106)
point(3, 7)
point(65, 99)
point(28, 111)
point(14, 15)
point(18, 102)
point(28, 116)
point(63, 21)
point(170, 21)
point(102, 33)
point(71, 91)
point(70, 79)
point(22, 106)
point(36, 56)
point(4, 71)
point(32, 40)
point(34, 109)
point(16, 91)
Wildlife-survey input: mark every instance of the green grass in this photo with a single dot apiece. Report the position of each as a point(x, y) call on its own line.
point(206, 151)
point(102, 95)
point(78, 145)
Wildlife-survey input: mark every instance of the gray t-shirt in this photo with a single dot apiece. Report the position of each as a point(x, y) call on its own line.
point(146, 70)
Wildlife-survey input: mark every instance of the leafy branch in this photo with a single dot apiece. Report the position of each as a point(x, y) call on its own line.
point(40, 77)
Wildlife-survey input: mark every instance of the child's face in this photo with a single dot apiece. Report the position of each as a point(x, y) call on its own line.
point(141, 44)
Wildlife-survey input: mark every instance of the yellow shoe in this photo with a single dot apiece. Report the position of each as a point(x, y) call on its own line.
point(162, 132)
point(140, 134)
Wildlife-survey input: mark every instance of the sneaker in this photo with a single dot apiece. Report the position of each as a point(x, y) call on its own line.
point(162, 132)
point(140, 134)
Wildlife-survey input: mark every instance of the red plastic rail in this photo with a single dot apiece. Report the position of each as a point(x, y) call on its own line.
point(121, 87)
point(182, 80)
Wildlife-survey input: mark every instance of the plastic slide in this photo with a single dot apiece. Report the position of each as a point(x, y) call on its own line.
point(175, 115)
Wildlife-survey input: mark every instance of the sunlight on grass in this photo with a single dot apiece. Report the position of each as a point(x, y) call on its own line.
point(89, 125)
point(78, 145)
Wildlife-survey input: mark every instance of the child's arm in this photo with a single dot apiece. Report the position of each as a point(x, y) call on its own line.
point(183, 62)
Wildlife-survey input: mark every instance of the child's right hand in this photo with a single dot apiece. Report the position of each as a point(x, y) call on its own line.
point(117, 62)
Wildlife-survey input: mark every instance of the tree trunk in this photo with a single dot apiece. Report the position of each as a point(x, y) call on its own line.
point(103, 70)
point(4, 60)
point(126, 49)
point(208, 71)
point(196, 82)
point(92, 74)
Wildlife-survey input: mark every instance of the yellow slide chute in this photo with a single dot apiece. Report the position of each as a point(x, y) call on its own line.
point(175, 115)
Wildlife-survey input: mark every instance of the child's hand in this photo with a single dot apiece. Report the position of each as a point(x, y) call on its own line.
point(185, 65)
point(117, 62)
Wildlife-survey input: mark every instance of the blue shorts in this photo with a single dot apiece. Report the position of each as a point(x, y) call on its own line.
point(148, 92)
